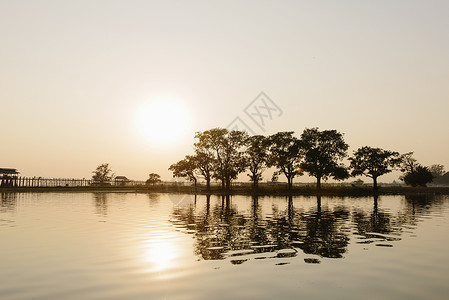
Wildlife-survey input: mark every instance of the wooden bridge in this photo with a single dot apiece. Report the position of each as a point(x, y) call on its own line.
point(11, 178)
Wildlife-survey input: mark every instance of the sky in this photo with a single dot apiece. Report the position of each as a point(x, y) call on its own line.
point(130, 82)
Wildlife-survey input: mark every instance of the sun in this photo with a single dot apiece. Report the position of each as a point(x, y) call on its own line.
point(163, 120)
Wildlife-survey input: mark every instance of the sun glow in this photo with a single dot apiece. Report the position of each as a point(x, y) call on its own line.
point(163, 121)
point(161, 254)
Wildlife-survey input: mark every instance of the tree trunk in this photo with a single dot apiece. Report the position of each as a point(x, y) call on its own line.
point(375, 183)
point(208, 185)
point(290, 183)
point(255, 181)
point(318, 183)
point(228, 184)
point(255, 184)
point(223, 184)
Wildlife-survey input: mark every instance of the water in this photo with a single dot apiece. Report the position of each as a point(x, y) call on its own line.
point(161, 246)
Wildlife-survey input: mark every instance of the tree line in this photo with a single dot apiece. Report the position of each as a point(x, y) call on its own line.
point(222, 154)
point(103, 175)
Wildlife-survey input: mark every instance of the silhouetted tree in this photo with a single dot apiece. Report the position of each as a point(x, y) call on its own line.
point(234, 155)
point(102, 174)
point(408, 162)
point(205, 164)
point(185, 168)
point(153, 179)
point(414, 173)
point(322, 153)
point(437, 170)
point(373, 162)
point(211, 141)
point(256, 157)
point(228, 148)
point(420, 176)
point(284, 155)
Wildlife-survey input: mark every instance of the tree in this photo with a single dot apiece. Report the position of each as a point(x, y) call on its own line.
point(234, 155)
point(373, 162)
point(185, 168)
point(284, 155)
point(322, 153)
point(419, 177)
point(102, 174)
point(153, 178)
point(414, 173)
point(408, 162)
point(228, 148)
point(256, 157)
point(205, 164)
point(211, 141)
point(437, 170)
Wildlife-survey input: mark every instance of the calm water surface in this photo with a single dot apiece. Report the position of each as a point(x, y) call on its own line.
point(161, 246)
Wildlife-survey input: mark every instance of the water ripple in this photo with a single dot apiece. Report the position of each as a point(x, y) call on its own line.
point(115, 246)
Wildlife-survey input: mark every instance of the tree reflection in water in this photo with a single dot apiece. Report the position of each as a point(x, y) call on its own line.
point(418, 204)
point(101, 204)
point(376, 226)
point(323, 233)
point(221, 230)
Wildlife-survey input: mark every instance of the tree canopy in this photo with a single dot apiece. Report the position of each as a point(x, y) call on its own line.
point(227, 148)
point(420, 176)
point(437, 170)
point(284, 155)
point(205, 165)
point(414, 173)
point(373, 162)
point(185, 168)
point(223, 154)
point(211, 141)
point(153, 178)
point(102, 174)
point(323, 152)
point(256, 157)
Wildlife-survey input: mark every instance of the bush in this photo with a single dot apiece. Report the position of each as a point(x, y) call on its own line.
point(421, 176)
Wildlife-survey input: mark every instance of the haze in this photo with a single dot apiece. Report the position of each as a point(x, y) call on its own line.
point(76, 76)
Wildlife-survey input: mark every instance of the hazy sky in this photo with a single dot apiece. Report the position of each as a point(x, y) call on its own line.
point(87, 82)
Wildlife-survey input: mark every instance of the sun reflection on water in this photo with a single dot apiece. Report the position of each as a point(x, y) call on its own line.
point(161, 254)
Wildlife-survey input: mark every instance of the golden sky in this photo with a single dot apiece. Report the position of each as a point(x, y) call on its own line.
point(87, 82)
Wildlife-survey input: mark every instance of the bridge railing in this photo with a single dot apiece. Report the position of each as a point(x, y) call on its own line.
point(19, 181)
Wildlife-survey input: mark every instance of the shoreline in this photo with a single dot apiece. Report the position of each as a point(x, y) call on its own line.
point(339, 191)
